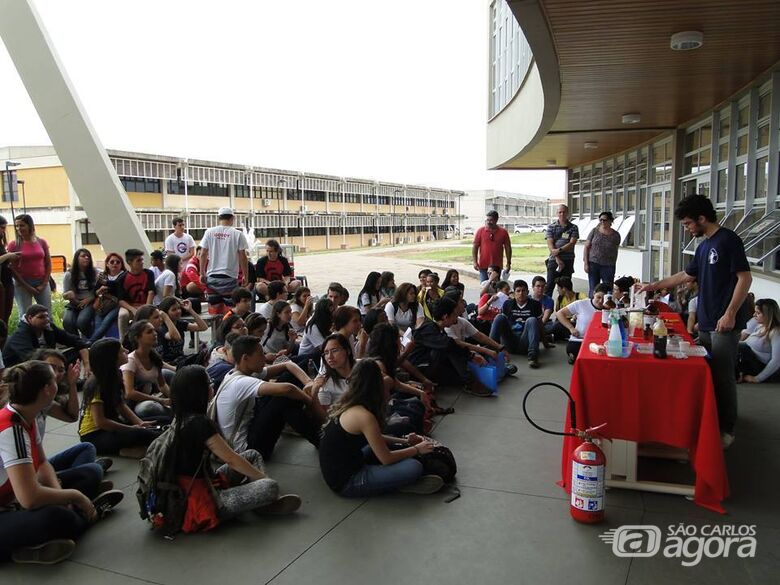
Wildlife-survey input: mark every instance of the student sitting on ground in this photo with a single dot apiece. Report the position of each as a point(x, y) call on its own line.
point(404, 311)
point(157, 261)
point(333, 380)
point(317, 329)
point(218, 368)
point(106, 420)
point(583, 310)
point(422, 276)
point(430, 294)
point(280, 338)
point(242, 303)
point(346, 321)
point(621, 291)
point(42, 517)
point(452, 278)
point(337, 294)
point(369, 295)
point(190, 283)
point(146, 390)
point(167, 283)
point(490, 305)
point(248, 486)
point(302, 306)
point(36, 331)
point(387, 285)
point(165, 329)
point(276, 293)
point(173, 342)
point(439, 357)
point(233, 324)
point(251, 413)
point(256, 325)
point(373, 318)
point(354, 432)
point(106, 303)
point(547, 323)
point(518, 326)
point(759, 354)
point(490, 286)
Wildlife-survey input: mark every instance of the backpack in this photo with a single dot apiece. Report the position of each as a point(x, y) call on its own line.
point(439, 462)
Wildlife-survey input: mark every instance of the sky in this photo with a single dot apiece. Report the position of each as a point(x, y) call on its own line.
point(393, 91)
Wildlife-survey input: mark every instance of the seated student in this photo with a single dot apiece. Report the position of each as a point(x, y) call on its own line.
point(173, 341)
point(106, 303)
point(165, 329)
point(80, 458)
point(317, 329)
point(218, 368)
point(468, 336)
point(36, 331)
point(423, 277)
point(78, 286)
point(146, 390)
point(249, 488)
point(452, 278)
point(256, 324)
point(692, 324)
point(438, 356)
point(404, 311)
point(566, 295)
point(621, 291)
point(107, 421)
point(242, 303)
point(583, 310)
point(490, 286)
point(337, 363)
point(759, 354)
point(430, 294)
point(251, 413)
point(276, 292)
point(354, 432)
point(337, 294)
point(190, 283)
point(233, 324)
point(518, 326)
point(302, 306)
point(369, 295)
point(373, 318)
point(167, 283)
point(136, 288)
point(490, 305)
point(280, 337)
point(274, 267)
point(346, 321)
point(41, 518)
point(157, 260)
point(547, 323)
point(387, 285)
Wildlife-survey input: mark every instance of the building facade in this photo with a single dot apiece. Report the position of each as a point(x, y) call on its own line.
point(512, 208)
point(309, 211)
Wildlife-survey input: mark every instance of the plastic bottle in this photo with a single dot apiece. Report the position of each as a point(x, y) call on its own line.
point(608, 305)
point(659, 338)
point(615, 341)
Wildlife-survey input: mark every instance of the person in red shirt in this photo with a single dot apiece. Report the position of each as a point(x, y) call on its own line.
point(136, 288)
point(189, 280)
point(490, 243)
point(273, 266)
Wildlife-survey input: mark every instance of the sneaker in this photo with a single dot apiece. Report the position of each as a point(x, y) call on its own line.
point(48, 553)
point(105, 463)
point(105, 486)
point(476, 388)
point(572, 357)
point(726, 439)
point(133, 452)
point(427, 484)
point(511, 369)
point(286, 504)
point(533, 363)
point(107, 501)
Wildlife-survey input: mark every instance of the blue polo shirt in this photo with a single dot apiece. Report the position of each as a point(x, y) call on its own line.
point(562, 235)
point(715, 266)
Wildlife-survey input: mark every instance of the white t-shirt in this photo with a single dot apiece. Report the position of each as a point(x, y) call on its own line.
point(584, 311)
point(312, 340)
point(693, 304)
point(402, 319)
point(223, 243)
point(236, 389)
point(266, 309)
point(179, 245)
point(363, 301)
point(331, 391)
point(134, 365)
point(462, 330)
point(296, 308)
point(166, 278)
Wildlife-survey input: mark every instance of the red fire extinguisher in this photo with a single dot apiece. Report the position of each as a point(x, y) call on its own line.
point(588, 464)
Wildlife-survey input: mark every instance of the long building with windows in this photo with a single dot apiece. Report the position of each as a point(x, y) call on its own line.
point(512, 208)
point(309, 211)
point(643, 103)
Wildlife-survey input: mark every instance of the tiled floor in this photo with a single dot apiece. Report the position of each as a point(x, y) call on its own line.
point(511, 524)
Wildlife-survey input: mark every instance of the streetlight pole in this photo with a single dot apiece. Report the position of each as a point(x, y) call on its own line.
point(8, 165)
point(281, 183)
point(24, 197)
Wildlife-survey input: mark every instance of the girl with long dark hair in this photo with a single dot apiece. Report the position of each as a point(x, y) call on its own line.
point(452, 278)
point(346, 320)
point(243, 483)
point(354, 431)
point(145, 387)
point(173, 341)
point(404, 311)
point(106, 303)
point(302, 306)
point(387, 285)
point(369, 295)
point(317, 328)
point(78, 286)
point(279, 338)
point(338, 361)
point(106, 420)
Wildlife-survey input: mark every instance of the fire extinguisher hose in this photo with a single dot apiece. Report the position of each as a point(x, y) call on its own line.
point(572, 410)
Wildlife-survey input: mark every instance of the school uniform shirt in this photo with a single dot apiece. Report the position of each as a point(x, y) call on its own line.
point(584, 311)
point(179, 245)
point(403, 319)
point(166, 278)
point(364, 300)
point(462, 330)
point(715, 265)
point(276, 340)
point(520, 314)
point(332, 390)
point(20, 443)
point(235, 390)
point(171, 350)
point(266, 309)
point(492, 310)
point(295, 308)
point(312, 340)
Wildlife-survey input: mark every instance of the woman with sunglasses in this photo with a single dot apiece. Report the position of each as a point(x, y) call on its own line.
point(106, 303)
point(601, 251)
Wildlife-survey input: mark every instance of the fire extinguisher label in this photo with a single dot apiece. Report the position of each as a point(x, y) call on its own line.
point(587, 486)
point(587, 455)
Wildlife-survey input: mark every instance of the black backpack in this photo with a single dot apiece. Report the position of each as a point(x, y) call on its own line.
point(439, 462)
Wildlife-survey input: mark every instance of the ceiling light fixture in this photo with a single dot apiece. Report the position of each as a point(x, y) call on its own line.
point(591, 145)
point(687, 40)
point(631, 118)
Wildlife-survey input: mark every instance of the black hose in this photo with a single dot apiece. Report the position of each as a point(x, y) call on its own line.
point(572, 411)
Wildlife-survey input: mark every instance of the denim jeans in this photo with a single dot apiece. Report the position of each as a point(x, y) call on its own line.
point(33, 527)
point(103, 323)
point(79, 454)
point(372, 480)
point(483, 274)
point(723, 348)
point(24, 299)
point(598, 273)
point(525, 342)
point(76, 320)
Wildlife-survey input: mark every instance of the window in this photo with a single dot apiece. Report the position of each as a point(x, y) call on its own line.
point(14, 186)
point(241, 191)
point(625, 228)
point(763, 136)
point(762, 177)
point(723, 177)
point(743, 117)
point(764, 102)
point(662, 163)
point(88, 237)
point(741, 182)
point(698, 150)
point(138, 185)
point(762, 239)
point(193, 188)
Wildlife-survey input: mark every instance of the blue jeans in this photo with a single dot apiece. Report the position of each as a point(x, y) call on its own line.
point(76, 320)
point(24, 299)
point(79, 454)
point(373, 480)
point(76, 469)
point(483, 274)
point(598, 273)
point(525, 342)
point(103, 323)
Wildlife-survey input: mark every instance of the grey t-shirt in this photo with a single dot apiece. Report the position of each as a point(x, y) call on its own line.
point(603, 247)
point(561, 235)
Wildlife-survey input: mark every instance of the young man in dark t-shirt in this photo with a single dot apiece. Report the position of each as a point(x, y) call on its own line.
point(273, 266)
point(135, 287)
point(722, 271)
point(518, 327)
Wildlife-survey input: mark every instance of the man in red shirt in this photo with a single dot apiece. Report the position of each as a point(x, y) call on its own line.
point(136, 288)
point(490, 243)
point(273, 266)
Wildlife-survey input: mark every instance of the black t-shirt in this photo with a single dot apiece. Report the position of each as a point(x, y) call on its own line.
point(715, 266)
point(169, 349)
point(517, 314)
point(195, 431)
point(272, 270)
point(133, 288)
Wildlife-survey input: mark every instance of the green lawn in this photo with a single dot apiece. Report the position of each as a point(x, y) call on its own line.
point(525, 258)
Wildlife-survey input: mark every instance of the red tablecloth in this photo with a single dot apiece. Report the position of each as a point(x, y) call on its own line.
point(644, 399)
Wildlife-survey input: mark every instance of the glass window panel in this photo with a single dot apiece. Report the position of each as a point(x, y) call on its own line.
point(608, 201)
point(743, 117)
point(692, 141)
point(619, 201)
point(706, 135)
point(597, 202)
point(643, 199)
point(725, 126)
point(656, 211)
point(689, 165)
point(762, 177)
point(575, 205)
point(704, 159)
point(631, 200)
point(748, 221)
point(586, 204)
point(655, 263)
point(723, 152)
point(763, 136)
point(625, 228)
point(639, 229)
point(764, 237)
point(723, 176)
point(742, 145)
point(764, 102)
point(733, 219)
point(741, 182)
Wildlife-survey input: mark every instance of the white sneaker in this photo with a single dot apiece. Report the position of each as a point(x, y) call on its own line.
point(726, 439)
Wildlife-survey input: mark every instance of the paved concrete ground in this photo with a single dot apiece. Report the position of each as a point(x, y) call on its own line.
point(510, 525)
